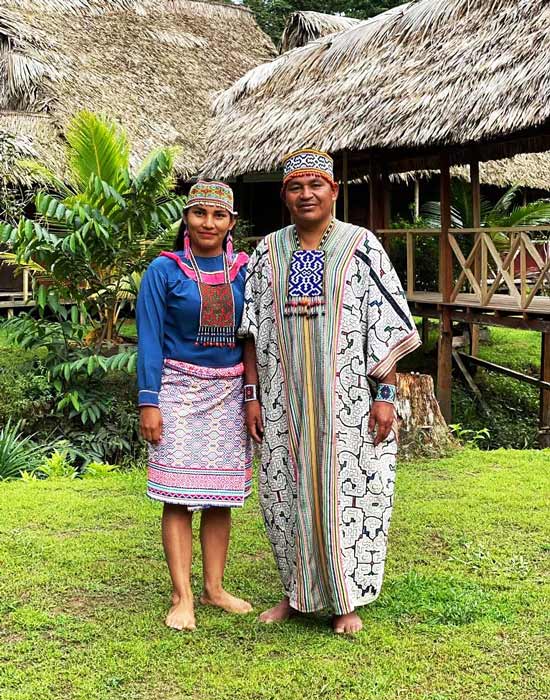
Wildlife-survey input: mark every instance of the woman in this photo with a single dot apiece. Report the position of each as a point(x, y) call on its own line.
point(190, 378)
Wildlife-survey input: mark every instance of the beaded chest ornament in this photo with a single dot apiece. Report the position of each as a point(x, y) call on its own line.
point(217, 317)
point(306, 279)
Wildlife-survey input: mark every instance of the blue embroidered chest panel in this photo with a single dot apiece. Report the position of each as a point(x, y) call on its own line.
point(306, 273)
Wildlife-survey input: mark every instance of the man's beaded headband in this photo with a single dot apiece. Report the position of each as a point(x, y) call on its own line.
point(307, 161)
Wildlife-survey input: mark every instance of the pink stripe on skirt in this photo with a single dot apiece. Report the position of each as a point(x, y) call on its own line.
point(204, 457)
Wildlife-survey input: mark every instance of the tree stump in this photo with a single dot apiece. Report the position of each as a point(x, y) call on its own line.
point(423, 431)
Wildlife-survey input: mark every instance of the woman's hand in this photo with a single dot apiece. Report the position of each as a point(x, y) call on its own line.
point(150, 424)
point(382, 415)
point(253, 418)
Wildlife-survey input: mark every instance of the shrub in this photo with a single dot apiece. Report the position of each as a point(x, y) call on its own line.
point(23, 387)
point(57, 464)
point(18, 453)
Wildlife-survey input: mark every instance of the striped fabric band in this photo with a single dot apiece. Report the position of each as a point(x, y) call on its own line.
point(310, 379)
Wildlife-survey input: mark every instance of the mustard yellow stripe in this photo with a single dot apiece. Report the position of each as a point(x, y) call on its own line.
point(312, 444)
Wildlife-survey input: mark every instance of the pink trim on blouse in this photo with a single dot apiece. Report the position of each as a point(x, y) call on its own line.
point(205, 372)
point(209, 277)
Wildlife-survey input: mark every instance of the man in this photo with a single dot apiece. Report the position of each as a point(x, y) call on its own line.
point(324, 310)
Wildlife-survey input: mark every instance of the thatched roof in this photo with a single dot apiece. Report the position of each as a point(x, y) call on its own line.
point(525, 169)
point(12, 150)
point(303, 27)
point(530, 170)
point(427, 74)
point(153, 65)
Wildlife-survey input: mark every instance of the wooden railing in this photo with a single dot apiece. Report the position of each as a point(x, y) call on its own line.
point(483, 270)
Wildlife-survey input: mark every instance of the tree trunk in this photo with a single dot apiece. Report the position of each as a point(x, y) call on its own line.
point(422, 428)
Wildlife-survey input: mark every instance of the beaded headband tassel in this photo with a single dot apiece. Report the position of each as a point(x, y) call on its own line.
point(307, 161)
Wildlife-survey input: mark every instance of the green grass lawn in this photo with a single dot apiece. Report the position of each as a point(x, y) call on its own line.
point(84, 591)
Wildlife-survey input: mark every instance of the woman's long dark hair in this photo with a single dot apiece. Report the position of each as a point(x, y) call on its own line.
point(178, 241)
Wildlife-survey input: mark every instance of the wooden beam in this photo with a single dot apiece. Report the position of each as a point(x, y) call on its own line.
point(469, 380)
point(411, 274)
point(476, 222)
point(491, 366)
point(445, 251)
point(544, 418)
point(532, 323)
point(445, 364)
point(425, 331)
point(445, 346)
point(416, 198)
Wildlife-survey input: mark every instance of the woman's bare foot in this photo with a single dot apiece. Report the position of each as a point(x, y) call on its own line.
point(282, 611)
point(224, 600)
point(347, 624)
point(181, 615)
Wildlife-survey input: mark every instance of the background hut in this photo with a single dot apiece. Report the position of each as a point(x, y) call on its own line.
point(305, 26)
point(432, 84)
point(153, 65)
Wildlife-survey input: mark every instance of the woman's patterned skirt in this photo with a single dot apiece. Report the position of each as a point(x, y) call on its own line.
point(204, 457)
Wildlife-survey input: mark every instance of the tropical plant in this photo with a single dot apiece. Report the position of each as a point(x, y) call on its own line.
point(92, 236)
point(18, 453)
point(57, 464)
point(86, 247)
point(99, 469)
point(75, 371)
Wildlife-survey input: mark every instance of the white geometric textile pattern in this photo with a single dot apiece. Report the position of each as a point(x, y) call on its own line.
point(308, 160)
point(204, 457)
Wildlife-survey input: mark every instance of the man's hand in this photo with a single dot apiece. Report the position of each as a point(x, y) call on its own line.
point(382, 415)
point(253, 418)
point(150, 424)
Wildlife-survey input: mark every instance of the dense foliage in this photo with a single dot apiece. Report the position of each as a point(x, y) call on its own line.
point(91, 238)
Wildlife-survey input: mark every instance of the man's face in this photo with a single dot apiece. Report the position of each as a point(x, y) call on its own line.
point(310, 198)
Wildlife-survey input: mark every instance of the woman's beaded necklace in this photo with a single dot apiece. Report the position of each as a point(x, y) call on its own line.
point(217, 326)
point(326, 234)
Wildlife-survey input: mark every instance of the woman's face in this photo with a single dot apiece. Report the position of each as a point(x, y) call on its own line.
point(207, 228)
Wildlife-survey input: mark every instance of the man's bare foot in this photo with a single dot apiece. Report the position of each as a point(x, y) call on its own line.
point(347, 624)
point(224, 600)
point(282, 611)
point(181, 615)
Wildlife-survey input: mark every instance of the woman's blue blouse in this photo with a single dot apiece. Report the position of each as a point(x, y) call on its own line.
point(167, 314)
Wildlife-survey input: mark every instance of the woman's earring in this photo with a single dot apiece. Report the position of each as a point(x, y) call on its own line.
point(229, 246)
point(186, 244)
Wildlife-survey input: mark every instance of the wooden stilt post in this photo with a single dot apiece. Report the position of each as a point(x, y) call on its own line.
point(345, 185)
point(386, 205)
point(444, 355)
point(416, 198)
point(544, 422)
point(376, 199)
point(425, 333)
point(26, 279)
point(476, 223)
point(379, 200)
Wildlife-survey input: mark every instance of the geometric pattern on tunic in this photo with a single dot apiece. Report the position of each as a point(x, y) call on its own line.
point(217, 305)
point(306, 273)
point(204, 457)
point(370, 333)
point(308, 160)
